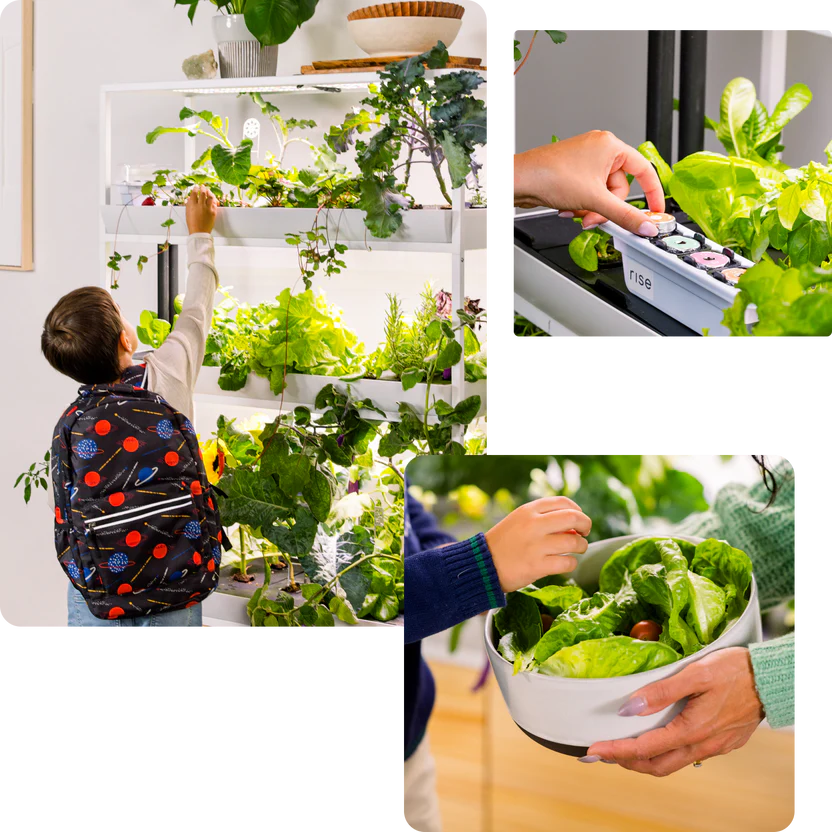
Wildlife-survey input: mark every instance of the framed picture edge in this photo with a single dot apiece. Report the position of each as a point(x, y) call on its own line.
point(27, 160)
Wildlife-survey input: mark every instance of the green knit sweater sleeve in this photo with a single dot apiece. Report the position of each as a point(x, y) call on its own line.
point(739, 516)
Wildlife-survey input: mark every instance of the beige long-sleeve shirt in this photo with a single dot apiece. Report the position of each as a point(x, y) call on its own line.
point(172, 370)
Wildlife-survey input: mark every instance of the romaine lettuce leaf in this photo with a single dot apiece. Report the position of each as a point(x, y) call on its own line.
point(650, 585)
point(520, 616)
point(707, 607)
point(633, 555)
point(676, 575)
point(629, 604)
point(554, 599)
point(607, 657)
point(728, 568)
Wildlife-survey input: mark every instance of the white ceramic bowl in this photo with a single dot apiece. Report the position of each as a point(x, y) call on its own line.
point(578, 712)
point(382, 37)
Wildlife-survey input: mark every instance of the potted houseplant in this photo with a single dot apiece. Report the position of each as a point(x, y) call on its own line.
point(248, 32)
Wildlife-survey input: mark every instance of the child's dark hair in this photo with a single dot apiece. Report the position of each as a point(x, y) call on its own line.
point(769, 480)
point(81, 334)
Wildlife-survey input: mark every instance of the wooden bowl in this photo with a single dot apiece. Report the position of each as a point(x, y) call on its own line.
point(420, 9)
point(382, 37)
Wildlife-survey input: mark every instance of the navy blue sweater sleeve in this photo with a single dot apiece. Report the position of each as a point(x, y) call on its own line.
point(448, 584)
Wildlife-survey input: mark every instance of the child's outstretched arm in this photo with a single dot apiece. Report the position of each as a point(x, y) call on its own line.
point(179, 359)
point(452, 582)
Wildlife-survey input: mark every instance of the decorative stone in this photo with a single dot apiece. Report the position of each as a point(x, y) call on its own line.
point(199, 67)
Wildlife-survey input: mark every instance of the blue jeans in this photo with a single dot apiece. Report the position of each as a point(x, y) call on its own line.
point(79, 615)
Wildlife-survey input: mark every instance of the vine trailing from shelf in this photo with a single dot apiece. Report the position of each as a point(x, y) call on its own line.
point(555, 36)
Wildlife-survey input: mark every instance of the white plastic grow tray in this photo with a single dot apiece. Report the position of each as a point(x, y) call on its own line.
point(690, 295)
point(422, 228)
point(304, 389)
point(225, 609)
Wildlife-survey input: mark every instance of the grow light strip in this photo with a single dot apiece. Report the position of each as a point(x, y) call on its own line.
point(268, 88)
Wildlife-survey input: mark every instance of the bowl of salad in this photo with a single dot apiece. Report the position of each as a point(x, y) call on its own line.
point(570, 650)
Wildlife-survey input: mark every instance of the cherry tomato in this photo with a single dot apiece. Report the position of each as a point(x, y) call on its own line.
point(646, 631)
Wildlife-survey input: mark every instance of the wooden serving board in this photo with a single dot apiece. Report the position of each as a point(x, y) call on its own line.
point(372, 64)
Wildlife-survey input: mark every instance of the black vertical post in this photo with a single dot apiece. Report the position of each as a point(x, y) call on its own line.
point(693, 61)
point(660, 72)
point(173, 278)
point(164, 302)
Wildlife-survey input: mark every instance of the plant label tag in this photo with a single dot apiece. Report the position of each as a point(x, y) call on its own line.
point(640, 281)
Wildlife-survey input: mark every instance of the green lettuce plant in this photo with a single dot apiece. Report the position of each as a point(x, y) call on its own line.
point(789, 301)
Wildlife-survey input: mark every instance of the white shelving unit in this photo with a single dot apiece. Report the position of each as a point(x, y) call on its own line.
point(452, 231)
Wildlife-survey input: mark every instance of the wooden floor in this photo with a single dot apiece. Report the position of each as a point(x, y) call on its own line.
point(492, 778)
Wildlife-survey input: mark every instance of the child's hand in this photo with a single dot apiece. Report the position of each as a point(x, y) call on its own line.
point(201, 211)
point(537, 539)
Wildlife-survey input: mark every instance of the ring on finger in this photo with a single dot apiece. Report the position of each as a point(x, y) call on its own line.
point(697, 764)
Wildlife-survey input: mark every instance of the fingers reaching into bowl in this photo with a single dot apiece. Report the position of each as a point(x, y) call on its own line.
point(722, 712)
point(539, 538)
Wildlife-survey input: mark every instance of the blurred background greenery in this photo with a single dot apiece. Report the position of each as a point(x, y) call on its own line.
point(623, 494)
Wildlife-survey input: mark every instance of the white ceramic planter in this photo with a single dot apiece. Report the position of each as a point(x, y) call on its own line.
point(240, 53)
point(580, 712)
point(420, 227)
point(304, 389)
point(402, 36)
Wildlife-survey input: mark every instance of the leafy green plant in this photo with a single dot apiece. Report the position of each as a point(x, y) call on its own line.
point(425, 352)
point(594, 248)
point(36, 476)
point(270, 21)
point(790, 301)
point(745, 127)
point(288, 484)
point(439, 119)
point(153, 330)
point(555, 36)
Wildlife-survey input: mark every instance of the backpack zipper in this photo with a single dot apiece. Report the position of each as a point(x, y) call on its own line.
point(148, 509)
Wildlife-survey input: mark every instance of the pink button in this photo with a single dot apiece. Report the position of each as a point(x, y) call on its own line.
point(710, 259)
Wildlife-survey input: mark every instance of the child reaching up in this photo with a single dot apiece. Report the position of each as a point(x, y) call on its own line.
point(125, 462)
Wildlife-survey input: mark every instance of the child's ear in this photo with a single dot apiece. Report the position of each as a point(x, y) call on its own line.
point(124, 341)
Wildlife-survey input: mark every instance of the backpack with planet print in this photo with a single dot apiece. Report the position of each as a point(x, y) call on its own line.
point(137, 528)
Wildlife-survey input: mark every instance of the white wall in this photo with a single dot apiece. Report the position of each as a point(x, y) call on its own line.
point(79, 47)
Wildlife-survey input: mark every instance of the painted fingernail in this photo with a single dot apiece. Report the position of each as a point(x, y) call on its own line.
point(632, 708)
point(592, 759)
point(590, 227)
point(610, 762)
point(567, 215)
point(647, 229)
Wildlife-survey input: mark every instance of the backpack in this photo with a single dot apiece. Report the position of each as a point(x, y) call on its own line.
point(137, 528)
